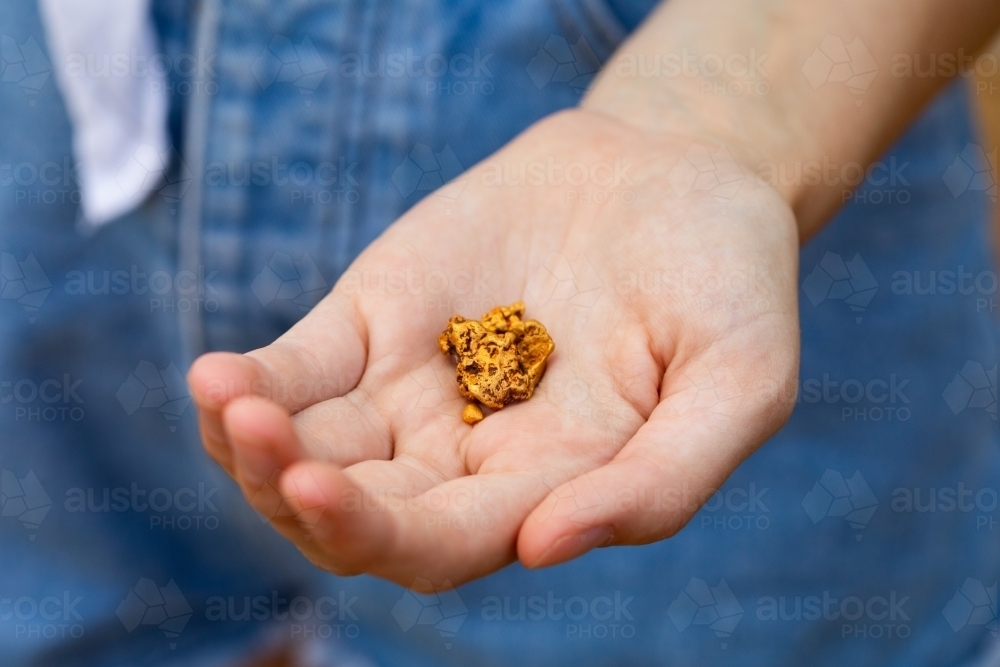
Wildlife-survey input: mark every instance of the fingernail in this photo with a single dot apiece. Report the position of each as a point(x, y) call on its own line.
point(568, 547)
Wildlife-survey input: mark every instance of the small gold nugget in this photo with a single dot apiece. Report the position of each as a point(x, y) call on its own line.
point(500, 358)
point(472, 414)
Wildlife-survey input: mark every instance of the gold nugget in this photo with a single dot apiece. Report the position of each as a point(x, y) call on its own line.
point(472, 414)
point(500, 358)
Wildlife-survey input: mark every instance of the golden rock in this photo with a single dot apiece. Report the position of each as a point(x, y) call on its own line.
point(472, 414)
point(501, 358)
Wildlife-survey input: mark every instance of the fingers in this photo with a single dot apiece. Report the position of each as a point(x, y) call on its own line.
point(263, 437)
point(215, 379)
point(344, 430)
point(390, 518)
point(265, 441)
point(265, 444)
point(446, 535)
point(309, 502)
point(707, 423)
point(321, 357)
point(404, 519)
point(647, 493)
point(446, 525)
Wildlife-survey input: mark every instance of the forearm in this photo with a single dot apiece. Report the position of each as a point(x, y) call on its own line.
point(746, 74)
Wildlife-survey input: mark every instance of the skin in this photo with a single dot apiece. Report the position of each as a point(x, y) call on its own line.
point(346, 432)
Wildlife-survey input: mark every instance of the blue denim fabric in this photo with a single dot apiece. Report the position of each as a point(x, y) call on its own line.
point(776, 530)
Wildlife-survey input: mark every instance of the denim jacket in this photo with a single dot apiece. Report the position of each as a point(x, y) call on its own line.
point(864, 532)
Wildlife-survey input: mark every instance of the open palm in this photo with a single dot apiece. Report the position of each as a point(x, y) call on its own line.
point(674, 314)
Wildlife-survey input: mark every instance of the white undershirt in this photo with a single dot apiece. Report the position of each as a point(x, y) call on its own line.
point(117, 103)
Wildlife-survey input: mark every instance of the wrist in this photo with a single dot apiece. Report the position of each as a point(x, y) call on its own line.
point(756, 133)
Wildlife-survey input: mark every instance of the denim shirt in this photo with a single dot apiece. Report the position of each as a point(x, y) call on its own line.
point(864, 532)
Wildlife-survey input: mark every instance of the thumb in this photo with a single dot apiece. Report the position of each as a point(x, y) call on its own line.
point(708, 422)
